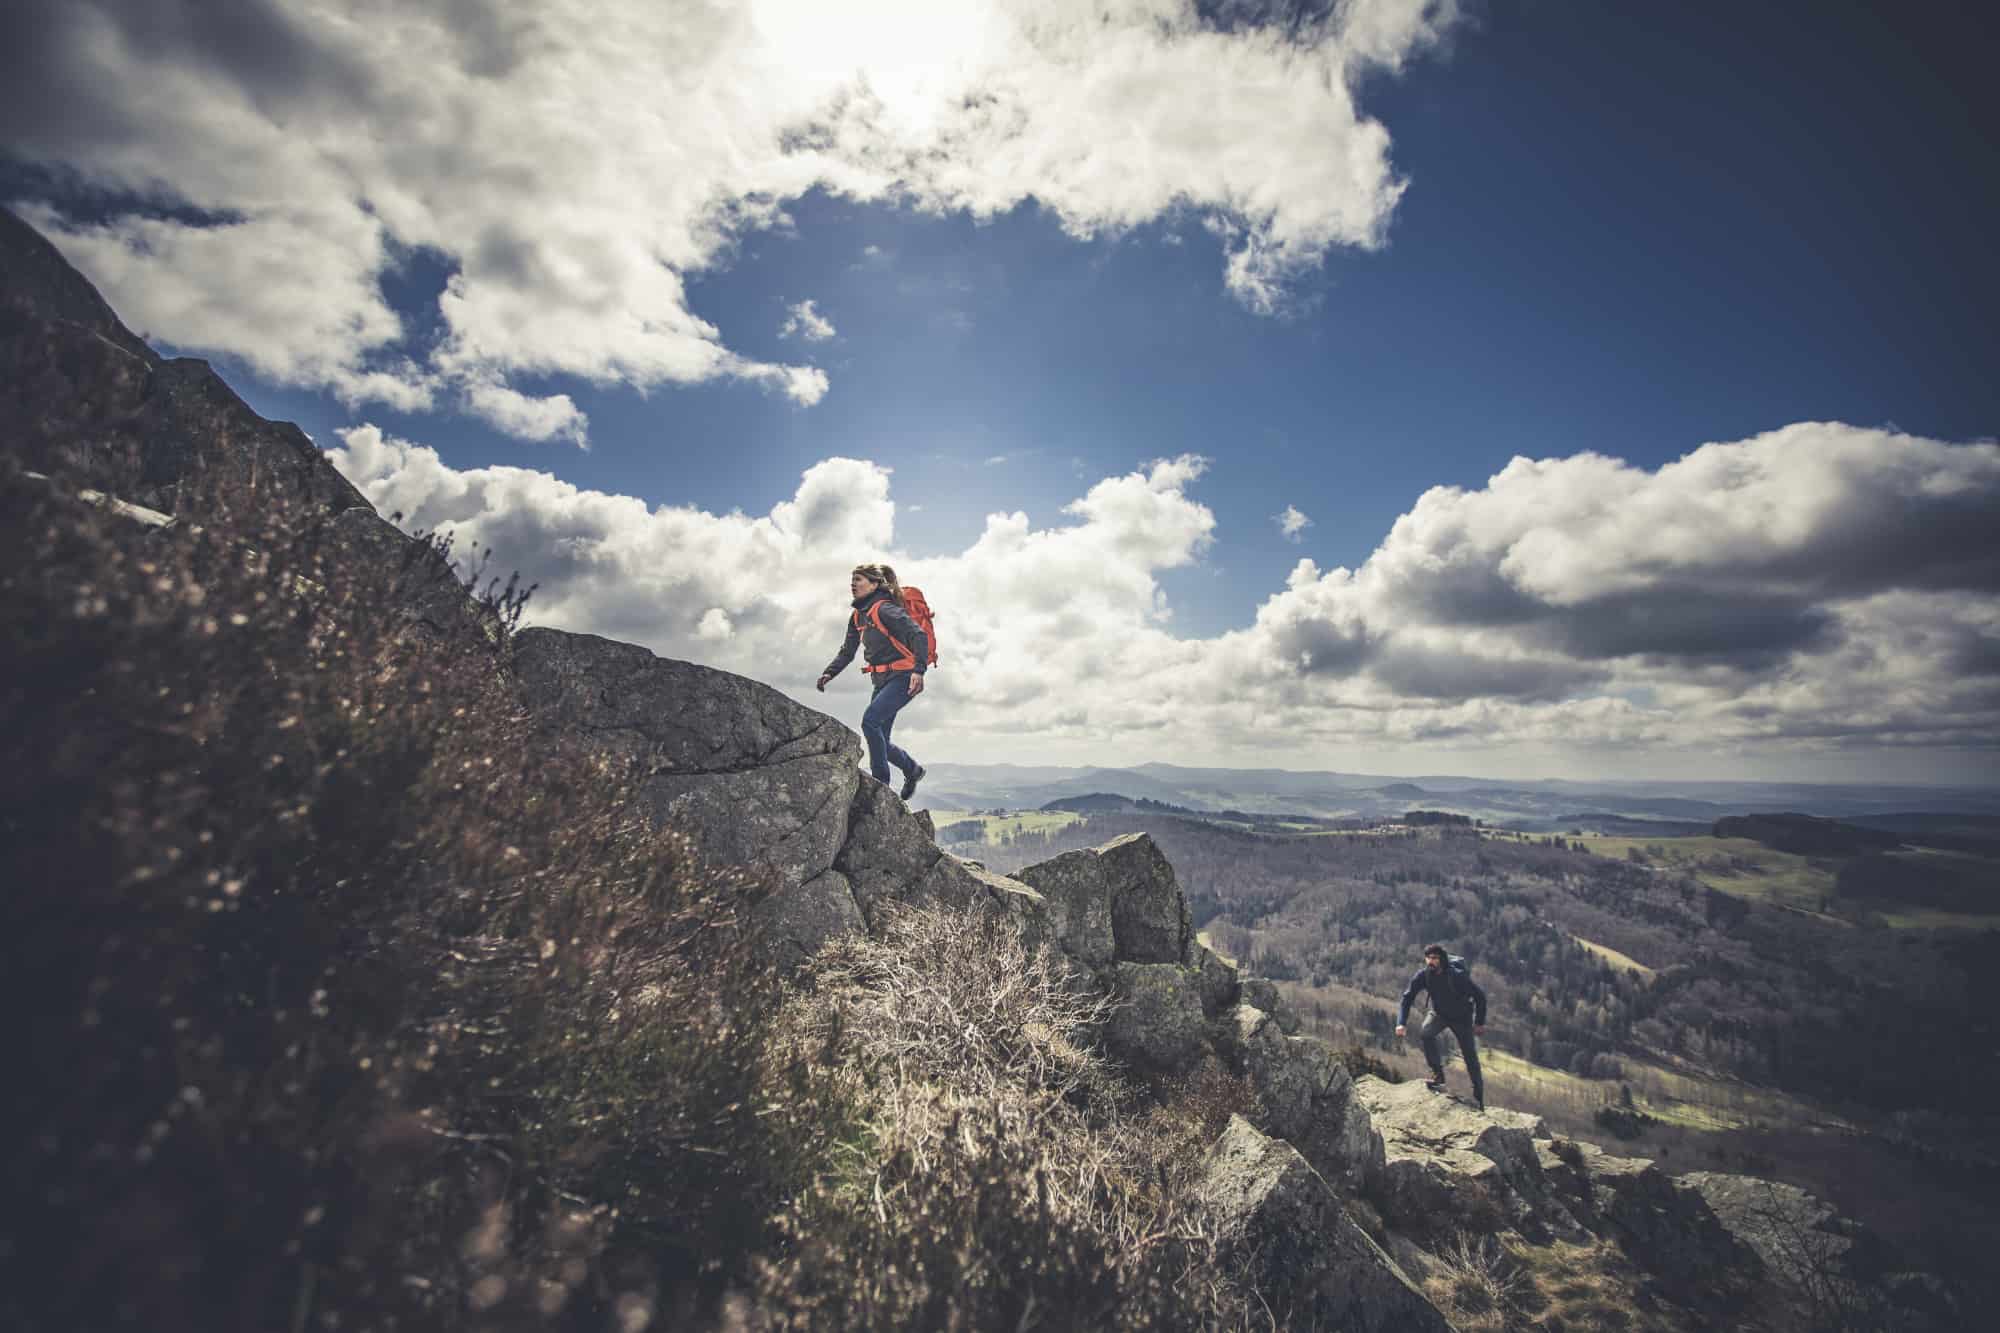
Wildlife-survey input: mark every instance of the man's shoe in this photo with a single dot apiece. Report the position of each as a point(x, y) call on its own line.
point(1479, 1103)
point(1435, 1082)
point(910, 781)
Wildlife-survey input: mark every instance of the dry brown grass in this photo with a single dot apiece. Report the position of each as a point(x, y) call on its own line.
point(983, 1167)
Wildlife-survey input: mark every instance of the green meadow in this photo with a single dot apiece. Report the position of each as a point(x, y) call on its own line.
point(1000, 827)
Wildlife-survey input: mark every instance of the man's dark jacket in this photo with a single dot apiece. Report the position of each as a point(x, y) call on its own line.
point(875, 645)
point(1455, 996)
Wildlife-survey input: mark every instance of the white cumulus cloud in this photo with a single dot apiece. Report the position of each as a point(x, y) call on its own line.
point(804, 321)
point(574, 161)
point(1820, 588)
point(1291, 523)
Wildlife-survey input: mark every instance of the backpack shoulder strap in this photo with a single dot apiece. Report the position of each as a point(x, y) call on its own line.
point(875, 615)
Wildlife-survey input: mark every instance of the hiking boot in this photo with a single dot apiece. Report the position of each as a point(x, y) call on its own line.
point(1435, 1082)
point(910, 781)
point(1478, 1103)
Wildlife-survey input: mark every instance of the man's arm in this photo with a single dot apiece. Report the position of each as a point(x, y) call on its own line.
point(1478, 1002)
point(1410, 998)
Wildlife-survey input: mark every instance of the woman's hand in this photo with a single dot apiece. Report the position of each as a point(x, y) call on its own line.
point(916, 683)
point(822, 683)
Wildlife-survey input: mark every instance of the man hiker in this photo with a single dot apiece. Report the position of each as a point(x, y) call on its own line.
point(895, 650)
point(1456, 1003)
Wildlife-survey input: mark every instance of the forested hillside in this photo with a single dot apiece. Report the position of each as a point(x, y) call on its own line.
point(1839, 1013)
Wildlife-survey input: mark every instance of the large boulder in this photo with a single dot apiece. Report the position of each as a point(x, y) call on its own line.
point(1668, 1228)
point(1450, 1167)
point(1312, 1265)
point(1079, 904)
point(756, 779)
point(1307, 1096)
point(1116, 903)
point(1157, 1023)
point(1822, 1262)
point(1149, 913)
point(888, 850)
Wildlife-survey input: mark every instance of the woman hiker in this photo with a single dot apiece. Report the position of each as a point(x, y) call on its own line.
point(895, 651)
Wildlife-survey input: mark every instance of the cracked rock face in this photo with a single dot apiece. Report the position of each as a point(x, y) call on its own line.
point(1219, 984)
point(1119, 902)
point(1312, 1263)
point(1308, 1098)
point(756, 779)
point(1079, 902)
point(888, 850)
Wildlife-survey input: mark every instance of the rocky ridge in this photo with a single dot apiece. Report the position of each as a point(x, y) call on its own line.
point(1334, 1193)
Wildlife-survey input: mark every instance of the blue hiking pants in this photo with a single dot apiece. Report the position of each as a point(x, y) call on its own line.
point(892, 691)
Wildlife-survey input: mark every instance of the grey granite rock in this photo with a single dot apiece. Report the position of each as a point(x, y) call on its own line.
point(1149, 913)
point(1312, 1265)
point(83, 398)
point(888, 850)
point(1263, 992)
point(1157, 1024)
point(1445, 1163)
point(1079, 904)
point(1307, 1097)
point(1217, 979)
point(1669, 1229)
point(757, 779)
point(797, 921)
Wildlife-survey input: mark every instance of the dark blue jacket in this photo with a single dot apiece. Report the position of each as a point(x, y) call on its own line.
point(1455, 996)
point(875, 646)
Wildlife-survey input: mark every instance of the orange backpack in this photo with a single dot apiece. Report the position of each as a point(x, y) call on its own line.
point(920, 611)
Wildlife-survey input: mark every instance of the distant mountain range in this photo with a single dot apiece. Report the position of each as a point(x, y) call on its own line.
point(1544, 804)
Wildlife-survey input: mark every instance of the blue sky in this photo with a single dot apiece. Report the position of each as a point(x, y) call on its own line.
point(1617, 233)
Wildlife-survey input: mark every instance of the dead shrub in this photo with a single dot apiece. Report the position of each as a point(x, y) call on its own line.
point(1476, 1283)
point(983, 1177)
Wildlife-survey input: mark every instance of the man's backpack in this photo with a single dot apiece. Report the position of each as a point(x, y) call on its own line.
point(1458, 972)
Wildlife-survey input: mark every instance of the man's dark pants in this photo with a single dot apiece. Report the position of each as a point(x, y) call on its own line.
point(1468, 1047)
point(892, 691)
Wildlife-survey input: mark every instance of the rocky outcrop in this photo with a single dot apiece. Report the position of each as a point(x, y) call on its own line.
point(1668, 1228)
point(1313, 1265)
point(1119, 902)
point(83, 398)
point(1797, 1236)
point(759, 780)
point(1307, 1096)
point(1158, 1024)
point(1449, 1167)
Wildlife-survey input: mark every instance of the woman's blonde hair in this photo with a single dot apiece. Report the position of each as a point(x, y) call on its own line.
point(884, 576)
